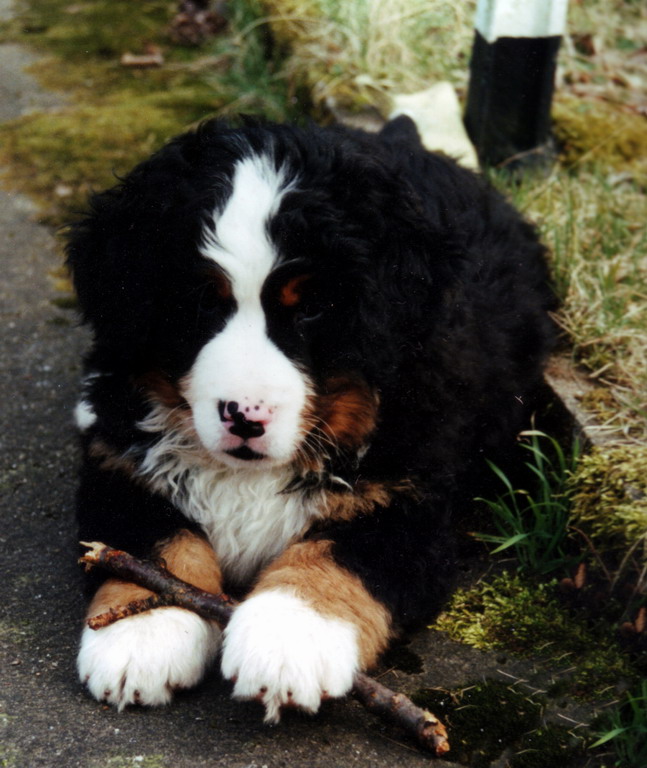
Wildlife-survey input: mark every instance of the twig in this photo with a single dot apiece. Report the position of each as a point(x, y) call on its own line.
point(377, 698)
point(384, 702)
point(170, 590)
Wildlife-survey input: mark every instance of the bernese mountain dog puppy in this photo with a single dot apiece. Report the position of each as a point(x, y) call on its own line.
point(305, 342)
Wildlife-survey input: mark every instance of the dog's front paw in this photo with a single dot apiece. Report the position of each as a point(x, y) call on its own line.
point(280, 650)
point(143, 659)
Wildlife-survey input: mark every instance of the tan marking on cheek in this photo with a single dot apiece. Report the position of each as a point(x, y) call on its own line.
point(362, 501)
point(309, 571)
point(347, 410)
point(290, 294)
point(186, 555)
point(159, 388)
point(111, 459)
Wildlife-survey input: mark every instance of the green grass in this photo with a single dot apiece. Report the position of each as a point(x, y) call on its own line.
point(534, 524)
point(595, 225)
point(255, 81)
point(626, 730)
point(360, 52)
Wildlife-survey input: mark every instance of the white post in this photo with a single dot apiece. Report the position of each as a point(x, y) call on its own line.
point(512, 75)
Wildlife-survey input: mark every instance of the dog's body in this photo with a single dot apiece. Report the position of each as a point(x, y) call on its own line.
point(306, 341)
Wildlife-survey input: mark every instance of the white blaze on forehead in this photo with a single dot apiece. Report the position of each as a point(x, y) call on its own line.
point(240, 363)
point(241, 245)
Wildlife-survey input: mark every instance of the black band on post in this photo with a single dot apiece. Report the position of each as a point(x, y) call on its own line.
point(510, 94)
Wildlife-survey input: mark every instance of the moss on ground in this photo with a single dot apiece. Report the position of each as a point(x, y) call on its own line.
point(92, 28)
point(490, 719)
point(10, 757)
point(610, 502)
point(598, 133)
point(116, 116)
point(509, 613)
point(601, 403)
point(20, 632)
point(53, 155)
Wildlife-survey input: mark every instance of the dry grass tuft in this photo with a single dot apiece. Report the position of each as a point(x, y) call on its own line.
point(595, 225)
point(357, 53)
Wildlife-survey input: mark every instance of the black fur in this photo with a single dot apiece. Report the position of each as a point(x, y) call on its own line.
point(429, 286)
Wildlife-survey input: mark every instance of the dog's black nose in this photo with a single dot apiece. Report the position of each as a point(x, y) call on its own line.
point(227, 409)
point(244, 428)
point(241, 426)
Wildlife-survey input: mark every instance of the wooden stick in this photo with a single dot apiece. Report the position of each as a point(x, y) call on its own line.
point(170, 590)
point(377, 698)
point(382, 701)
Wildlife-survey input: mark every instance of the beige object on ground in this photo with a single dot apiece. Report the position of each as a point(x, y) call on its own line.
point(437, 115)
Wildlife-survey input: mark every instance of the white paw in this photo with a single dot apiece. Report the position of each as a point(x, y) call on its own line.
point(281, 651)
point(142, 659)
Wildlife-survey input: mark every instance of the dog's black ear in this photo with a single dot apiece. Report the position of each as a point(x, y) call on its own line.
point(124, 251)
point(401, 130)
point(111, 254)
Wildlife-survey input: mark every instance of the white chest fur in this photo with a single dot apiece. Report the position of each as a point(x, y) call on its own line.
point(245, 515)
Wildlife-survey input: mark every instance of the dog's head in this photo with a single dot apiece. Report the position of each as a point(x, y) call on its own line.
point(248, 280)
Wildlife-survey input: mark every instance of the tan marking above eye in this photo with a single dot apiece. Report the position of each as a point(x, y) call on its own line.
point(290, 294)
point(222, 284)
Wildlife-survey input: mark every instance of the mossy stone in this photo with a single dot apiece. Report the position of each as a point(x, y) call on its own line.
point(610, 502)
point(512, 614)
point(597, 133)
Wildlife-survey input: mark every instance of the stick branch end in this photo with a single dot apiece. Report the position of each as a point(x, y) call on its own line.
point(93, 556)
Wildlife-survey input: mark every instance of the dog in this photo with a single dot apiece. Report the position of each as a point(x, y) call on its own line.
point(306, 341)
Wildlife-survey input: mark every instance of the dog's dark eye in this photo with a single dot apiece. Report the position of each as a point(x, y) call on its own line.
point(215, 293)
point(210, 301)
point(303, 318)
point(301, 295)
point(309, 313)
